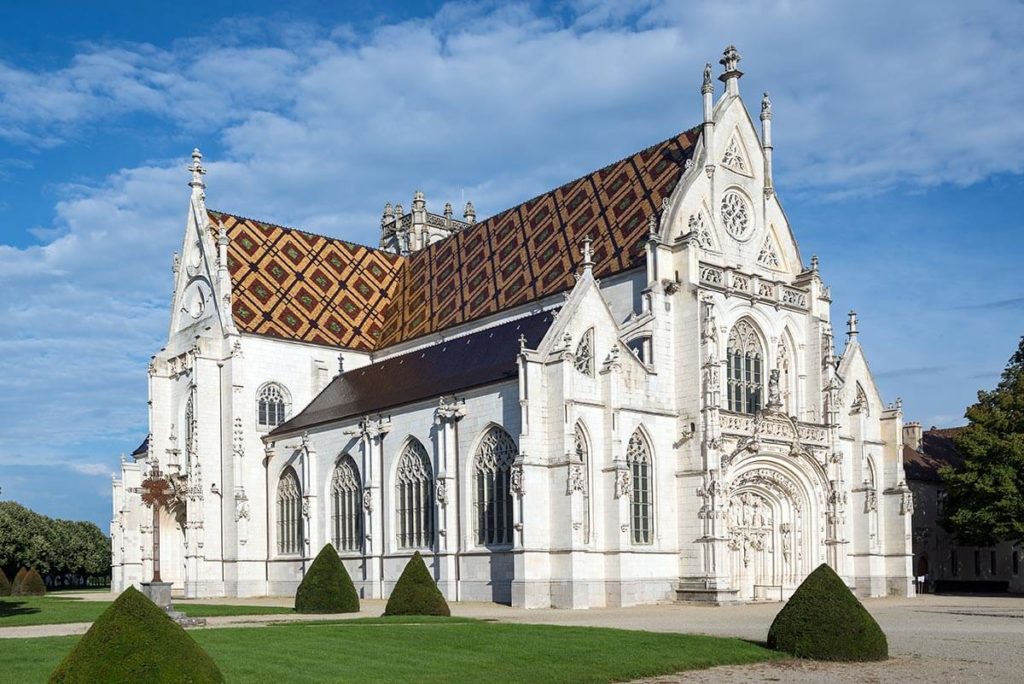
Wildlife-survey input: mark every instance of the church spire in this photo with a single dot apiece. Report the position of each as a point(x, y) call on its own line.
point(731, 77)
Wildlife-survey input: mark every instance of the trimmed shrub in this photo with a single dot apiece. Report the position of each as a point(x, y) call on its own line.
point(134, 641)
point(18, 579)
point(32, 585)
point(327, 587)
point(5, 584)
point(823, 620)
point(416, 592)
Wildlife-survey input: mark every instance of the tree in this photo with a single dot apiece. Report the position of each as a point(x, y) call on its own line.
point(985, 493)
point(66, 552)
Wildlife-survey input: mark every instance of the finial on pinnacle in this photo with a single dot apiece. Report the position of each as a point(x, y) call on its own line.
point(766, 107)
point(469, 213)
point(652, 225)
point(447, 210)
point(851, 324)
point(588, 255)
point(389, 214)
point(198, 172)
point(814, 262)
point(707, 86)
point(730, 59)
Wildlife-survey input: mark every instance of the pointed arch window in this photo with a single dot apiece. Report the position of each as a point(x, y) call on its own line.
point(289, 513)
point(271, 406)
point(640, 464)
point(346, 499)
point(745, 369)
point(584, 357)
point(493, 469)
point(582, 453)
point(414, 496)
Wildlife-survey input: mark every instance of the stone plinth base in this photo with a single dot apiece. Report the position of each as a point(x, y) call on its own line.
point(159, 593)
point(705, 593)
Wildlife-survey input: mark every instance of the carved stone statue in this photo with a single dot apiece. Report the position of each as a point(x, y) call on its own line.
point(774, 396)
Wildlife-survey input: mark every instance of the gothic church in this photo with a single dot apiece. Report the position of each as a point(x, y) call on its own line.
point(623, 391)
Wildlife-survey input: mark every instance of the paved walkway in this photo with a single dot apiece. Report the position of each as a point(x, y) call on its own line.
point(931, 638)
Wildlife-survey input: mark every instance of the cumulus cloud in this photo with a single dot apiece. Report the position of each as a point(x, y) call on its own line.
point(319, 125)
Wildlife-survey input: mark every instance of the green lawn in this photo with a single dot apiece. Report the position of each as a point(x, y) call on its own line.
point(435, 650)
point(18, 611)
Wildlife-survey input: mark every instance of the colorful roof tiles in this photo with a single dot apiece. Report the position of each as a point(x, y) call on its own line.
point(295, 285)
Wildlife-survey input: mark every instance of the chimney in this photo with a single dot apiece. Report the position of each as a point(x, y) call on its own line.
point(913, 435)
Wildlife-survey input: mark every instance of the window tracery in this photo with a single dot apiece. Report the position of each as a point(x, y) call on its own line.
point(346, 495)
point(271, 406)
point(733, 157)
point(584, 357)
point(745, 369)
point(697, 225)
point(638, 460)
point(493, 464)
point(736, 214)
point(768, 256)
point(414, 493)
point(289, 513)
point(582, 454)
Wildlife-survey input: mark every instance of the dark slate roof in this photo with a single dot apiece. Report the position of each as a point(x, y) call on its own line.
point(481, 358)
point(143, 448)
point(937, 450)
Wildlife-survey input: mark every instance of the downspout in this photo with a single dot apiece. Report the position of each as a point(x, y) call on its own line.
point(458, 515)
point(266, 511)
point(220, 429)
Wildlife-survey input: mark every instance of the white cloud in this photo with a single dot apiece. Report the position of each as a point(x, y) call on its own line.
point(319, 125)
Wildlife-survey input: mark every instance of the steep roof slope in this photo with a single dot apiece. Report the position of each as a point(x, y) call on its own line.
point(295, 285)
point(937, 450)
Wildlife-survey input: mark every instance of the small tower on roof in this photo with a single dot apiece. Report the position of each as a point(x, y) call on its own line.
point(402, 233)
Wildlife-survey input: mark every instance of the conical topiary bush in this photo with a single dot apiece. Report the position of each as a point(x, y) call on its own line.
point(134, 641)
point(5, 584)
point(823, 620)
point(18, 579)
point(416, 592)
point(327, 587)
point(32, 585)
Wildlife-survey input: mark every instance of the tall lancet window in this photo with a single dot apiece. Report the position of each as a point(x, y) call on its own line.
point(272, 406)
point(414, 497)
point(584, 358)
point(745, 369)
point(493, 464)
point(638, 459)
point(289, 513)
point(583, 460)
point(347, 518)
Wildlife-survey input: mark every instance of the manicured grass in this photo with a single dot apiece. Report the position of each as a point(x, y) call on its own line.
point(425, 650)
point(18, 611)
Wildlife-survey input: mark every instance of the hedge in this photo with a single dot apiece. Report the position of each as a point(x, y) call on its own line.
point(18, 579)
point(134, 641)
point(5, 584)
point(416, 592)
point(32, 585)
point(327, 587)
point(823, 620)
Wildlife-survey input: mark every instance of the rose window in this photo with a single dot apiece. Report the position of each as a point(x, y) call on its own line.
point(736, 215)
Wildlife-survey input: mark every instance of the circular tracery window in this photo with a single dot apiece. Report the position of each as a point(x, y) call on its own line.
point(736, 215)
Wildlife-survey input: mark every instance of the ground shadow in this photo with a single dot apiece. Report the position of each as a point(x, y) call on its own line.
point(12, 608)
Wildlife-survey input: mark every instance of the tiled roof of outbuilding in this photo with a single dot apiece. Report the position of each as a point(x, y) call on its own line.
point(937, 450)
point(291, 284)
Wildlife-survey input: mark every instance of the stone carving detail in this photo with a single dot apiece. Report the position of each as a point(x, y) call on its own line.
point(794, 297)
point(241, 505)
point(733, 157)
point(870, 501)
point(768, 256)
point(907, 502)
point(368, 500)
point(238, 439)
point(740, 282)
point(623, 484)
point(749, 526)
point(736, 215)
point(516, 480)
point(772, 479)
point(710, 274)
point(786, 534)
point(584, 357)
point(699, 228)
point(441, 490)
point(711, 491)
point(577, 480)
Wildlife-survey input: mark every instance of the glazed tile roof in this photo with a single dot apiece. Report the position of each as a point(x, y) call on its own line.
point(295, 285)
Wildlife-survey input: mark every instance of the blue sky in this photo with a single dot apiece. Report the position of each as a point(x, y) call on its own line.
point(899, 147)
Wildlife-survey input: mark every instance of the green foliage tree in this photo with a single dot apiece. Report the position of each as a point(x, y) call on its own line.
point(416, 592)
point(823, 620)
point(985, 494)
point(327, 587)
point(5, 584)
point(18, 580)
point(134, 641)
point(67, 552)
point(32, 585)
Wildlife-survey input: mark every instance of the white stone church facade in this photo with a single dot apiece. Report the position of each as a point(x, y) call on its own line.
point(623, 391)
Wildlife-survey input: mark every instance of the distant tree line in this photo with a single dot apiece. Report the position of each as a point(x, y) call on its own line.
point(64, 552)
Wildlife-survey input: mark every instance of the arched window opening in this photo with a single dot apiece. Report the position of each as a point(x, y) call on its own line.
point(584, 358)
point(582, 453)
point(641, 348)
point(493, 465)
point(638, 459)
point(745, 369)
point(272, 406)
point(414, 494)
point(289, 513)
point(347, 518)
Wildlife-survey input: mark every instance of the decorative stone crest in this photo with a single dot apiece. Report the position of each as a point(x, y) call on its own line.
point(516, 480)
point(577, 480)
point(623, 484)
point(368, 500)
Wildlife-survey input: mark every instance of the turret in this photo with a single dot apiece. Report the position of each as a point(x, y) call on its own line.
point(766, 143)
point(402, 233)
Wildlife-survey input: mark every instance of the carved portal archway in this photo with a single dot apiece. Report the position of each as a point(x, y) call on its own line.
point(774, 524)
